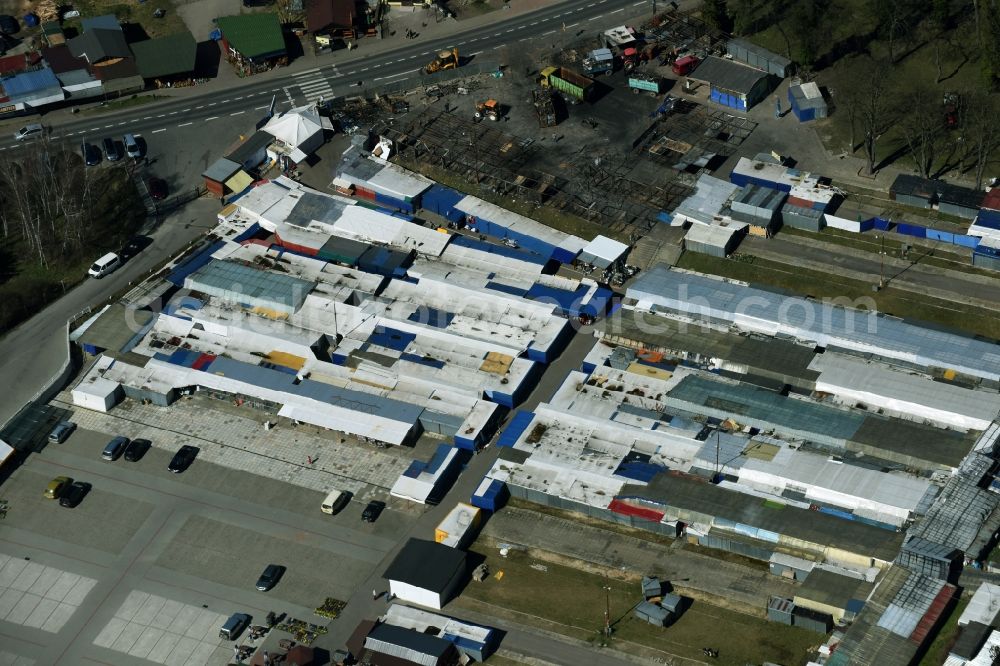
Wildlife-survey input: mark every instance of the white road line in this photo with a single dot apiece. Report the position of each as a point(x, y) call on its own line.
point(615, 11)
point(349, 73)
point(224, 101)
point(108, 126)
point(572, 26)
point(365, 69)
point(188, 109)
point(476, 53)
point(550, 32)
point(592, 4)
point(185, 124)
point(217, 117)
point(148, 118)
point(258, 108)
point(162, 129)
point(240, 97)
point(199, 107)
point(121, 123)
point(509, 30)
point(212, 103)
point(307, 72)
point(236, 113)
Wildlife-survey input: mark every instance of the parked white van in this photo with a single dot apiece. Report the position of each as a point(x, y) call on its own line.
point(132, 148)
point(105, 265)
point(334, 501)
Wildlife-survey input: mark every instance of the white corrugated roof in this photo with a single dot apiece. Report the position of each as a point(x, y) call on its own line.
point(909, 393)
point(605, 248)
point(397, 181)
point(711, 195)
point(983, 607)
point(717, 235)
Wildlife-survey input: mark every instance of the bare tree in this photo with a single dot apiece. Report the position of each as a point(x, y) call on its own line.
point(980, 132)
point(921, 127)
point(873, 107)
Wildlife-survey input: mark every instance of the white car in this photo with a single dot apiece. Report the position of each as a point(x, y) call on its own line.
point(105, 265)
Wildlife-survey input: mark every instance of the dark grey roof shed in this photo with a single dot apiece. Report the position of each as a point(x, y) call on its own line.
point(727, 75)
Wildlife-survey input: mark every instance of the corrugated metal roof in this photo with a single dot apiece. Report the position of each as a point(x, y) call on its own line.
point(25, 83)
point(239, 283)
point(727, 75)
point(822, 323)
point(708, 201)
point(414, 646)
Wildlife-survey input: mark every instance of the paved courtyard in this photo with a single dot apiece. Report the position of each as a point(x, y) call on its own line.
point(39, 596)
point(241, 442)
point(162, 630)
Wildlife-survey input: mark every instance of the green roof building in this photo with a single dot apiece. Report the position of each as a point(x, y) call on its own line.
point(165, 57)
point(252, 39)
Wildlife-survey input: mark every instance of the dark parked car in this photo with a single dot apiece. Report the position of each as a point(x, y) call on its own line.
point(115, 448)
point(158, 189)
point(91, 155)
point(111, 150)
point(62, 431)
point(9, 25)
point(74, 494)
point(272, 574)
point(134, 246)
point(372, 511)
point(137, 449)
point(183, 458)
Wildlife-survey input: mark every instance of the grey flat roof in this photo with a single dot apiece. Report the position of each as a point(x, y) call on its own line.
point(727, 75)
point(812, 526)
point(249, 148)
point(110, 330)
point(239, 283)
point(920, 441)
point(312, 206)
point(823, 324)
point(832, 589)
point(221, 170)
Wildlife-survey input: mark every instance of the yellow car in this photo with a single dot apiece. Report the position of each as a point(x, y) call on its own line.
point(57, 486)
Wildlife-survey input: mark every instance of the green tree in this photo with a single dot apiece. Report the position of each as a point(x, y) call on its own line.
point(805, 24)
point(714, 13)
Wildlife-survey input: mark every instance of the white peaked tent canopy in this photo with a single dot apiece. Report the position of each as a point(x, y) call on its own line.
point(300, 129)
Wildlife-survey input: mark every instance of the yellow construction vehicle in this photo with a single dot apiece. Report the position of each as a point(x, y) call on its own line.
point(445, 60)
point(488, 109)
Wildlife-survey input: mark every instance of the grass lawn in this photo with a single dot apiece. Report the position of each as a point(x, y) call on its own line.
point(124, 103)
point(938, 650)
point(138, 14)
point(829, 285)
point(573, 604)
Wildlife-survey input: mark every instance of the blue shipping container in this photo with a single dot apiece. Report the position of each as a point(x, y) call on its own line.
point(493, 498)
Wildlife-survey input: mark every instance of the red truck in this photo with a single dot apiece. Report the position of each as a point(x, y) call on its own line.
point(684, 66)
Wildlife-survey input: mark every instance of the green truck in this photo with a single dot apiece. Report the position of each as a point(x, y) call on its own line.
point(641, 82)
point(567, 81)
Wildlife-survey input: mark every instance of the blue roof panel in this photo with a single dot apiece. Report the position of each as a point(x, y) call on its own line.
point(29, 82)
point(518, 424)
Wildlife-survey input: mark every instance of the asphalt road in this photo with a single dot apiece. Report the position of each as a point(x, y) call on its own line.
point(34, 352)
point(340, 77)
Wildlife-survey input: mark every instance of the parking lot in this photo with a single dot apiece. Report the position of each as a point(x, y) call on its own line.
point(150, 562)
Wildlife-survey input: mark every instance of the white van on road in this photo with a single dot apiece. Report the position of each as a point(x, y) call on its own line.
point(105, 265)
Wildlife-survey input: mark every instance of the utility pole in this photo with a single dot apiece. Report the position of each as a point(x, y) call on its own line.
point(881, 263)
point(607, 610)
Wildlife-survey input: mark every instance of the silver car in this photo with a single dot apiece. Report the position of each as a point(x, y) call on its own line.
point(32, 131)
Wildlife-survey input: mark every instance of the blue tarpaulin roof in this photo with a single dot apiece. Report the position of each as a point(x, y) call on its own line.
point(989, 219)
point(567, 300)
point(29, 82)
point(391, 338)
point(501, 250)
point(518, 424)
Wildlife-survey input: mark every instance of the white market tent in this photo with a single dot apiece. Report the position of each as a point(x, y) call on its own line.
point(299, 129)
point(603, 252)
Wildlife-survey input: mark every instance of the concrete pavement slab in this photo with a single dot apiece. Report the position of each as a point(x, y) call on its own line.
point(9, 599)
point(147, 641)
point(11, 571)
point(164, 646)
point(167, 613)
point(149, 610)
point(59, 617)
point(63, 585)
point(110, 632)
point(201, 654)
point(23, 608)
point(27, 577)
point(179, 656)
point(127, 638)
point(41, 614)
point(46, 579)
point(132, 604)
point(80, 591)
